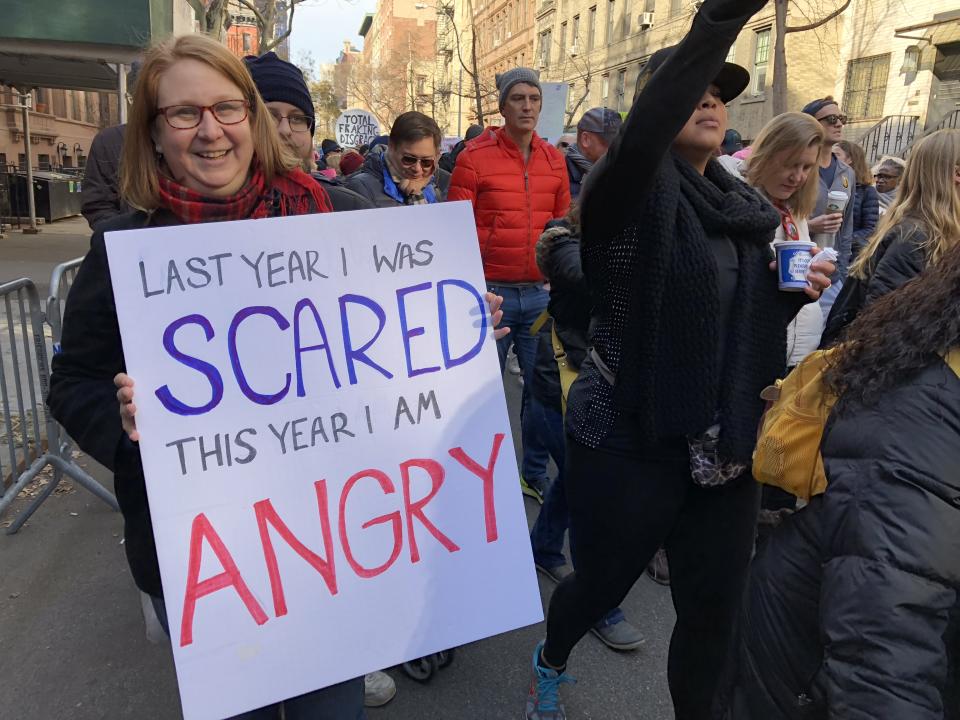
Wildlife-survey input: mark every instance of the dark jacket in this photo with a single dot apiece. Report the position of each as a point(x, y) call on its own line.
point(866, 214)
point(341, 197)
point(558, 256)
point(84, 400)
point(577, 168)
point(899, 258)
point(676, 353)
point(448, 161)
point(853, 606)
point(373, 182)
point(100, 195)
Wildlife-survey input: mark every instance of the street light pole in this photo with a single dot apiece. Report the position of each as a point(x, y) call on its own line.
point(32, 228)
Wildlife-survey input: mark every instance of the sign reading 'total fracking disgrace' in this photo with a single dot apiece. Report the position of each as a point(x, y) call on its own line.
point(332, 480)
point(356, 128)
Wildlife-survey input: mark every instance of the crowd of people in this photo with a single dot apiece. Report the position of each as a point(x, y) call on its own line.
point(630, 268)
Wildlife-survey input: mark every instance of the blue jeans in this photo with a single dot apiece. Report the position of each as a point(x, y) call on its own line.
point(521, 307)
point(343, 701)
point(554, 518)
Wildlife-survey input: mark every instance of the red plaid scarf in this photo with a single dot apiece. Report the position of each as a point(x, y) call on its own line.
point(294, 193)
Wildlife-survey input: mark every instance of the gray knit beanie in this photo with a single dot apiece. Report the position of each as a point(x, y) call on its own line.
point(507, 80)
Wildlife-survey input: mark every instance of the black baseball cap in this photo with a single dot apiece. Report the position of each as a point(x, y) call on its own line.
point(732, 78)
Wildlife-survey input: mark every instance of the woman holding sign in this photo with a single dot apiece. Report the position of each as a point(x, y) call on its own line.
point(200, 147)
point(688, 327)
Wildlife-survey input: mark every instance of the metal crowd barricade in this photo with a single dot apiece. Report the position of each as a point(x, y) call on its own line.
point(25, 449)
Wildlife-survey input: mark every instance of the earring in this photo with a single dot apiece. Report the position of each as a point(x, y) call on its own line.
point(158, 149)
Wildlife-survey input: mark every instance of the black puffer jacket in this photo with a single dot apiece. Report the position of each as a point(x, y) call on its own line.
point(341, 197)
point(853, 607)
point(899, 258)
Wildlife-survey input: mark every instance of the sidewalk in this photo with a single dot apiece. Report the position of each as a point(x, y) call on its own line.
point(72, 640)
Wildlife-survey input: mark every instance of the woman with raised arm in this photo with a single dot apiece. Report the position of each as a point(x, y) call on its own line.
point(688, 328)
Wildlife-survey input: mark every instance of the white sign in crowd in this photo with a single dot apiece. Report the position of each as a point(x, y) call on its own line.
point(328, 457)
point(356, 127)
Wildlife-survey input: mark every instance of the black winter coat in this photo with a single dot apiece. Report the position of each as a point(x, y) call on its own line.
point(899, 258)
point(341, 197)
point(853, 606)
point(84, 400)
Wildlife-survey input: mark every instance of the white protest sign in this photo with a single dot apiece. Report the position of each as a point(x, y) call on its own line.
point(553, 111)
point(327, 450)
point(356, 128)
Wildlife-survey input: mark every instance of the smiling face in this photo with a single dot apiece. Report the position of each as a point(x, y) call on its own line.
point(789, 172)
point(704, 131)
point(521, 109)
point(211, 159)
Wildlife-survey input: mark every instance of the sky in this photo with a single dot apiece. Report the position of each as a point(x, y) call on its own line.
point(321, 26)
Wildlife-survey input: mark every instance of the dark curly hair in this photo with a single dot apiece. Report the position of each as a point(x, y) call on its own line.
point(901, 333)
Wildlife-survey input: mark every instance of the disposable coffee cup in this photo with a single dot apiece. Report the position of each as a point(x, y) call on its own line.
point(836, 201)
point(793, 262)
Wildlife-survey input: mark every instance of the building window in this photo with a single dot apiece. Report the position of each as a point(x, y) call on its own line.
point(545, 40)
point(761, 59)
point(732, 55)
point(611, 19)
point(675, 7)
point(22, 162)
point(81, 160)
point(865, 91)
point(626, 18)
point(605, 90)
point(621, 89)
point(246, 42)
point(563, 41)
point(650, 6)
point(421, 84)
point(67, 161)
point(575, 33)
point(591, 27)
point(43, 162)
point(571, 91)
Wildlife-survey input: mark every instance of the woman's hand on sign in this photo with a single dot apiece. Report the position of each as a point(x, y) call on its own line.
point(496, 315)
point(128, 410)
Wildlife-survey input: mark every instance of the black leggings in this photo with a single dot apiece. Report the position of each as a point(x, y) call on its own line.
point(624, 504)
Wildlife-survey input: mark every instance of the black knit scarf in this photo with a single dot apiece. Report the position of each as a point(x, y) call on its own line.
point(668, 376)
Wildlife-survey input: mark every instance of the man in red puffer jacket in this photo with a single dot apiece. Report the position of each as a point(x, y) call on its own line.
point(516, 182)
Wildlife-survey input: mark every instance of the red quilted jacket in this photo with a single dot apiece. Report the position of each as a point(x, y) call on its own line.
point(512, 200)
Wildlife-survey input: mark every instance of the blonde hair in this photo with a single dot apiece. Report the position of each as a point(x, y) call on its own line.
point(792, 133)
point(928, 195)
point(139, 163)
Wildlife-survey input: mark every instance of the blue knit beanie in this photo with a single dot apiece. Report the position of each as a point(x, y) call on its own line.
point(280, 81)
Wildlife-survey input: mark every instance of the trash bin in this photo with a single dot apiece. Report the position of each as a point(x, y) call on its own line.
point(56, 195)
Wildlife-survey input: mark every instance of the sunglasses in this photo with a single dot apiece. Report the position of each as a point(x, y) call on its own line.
point(411, 160)
point(834, 119)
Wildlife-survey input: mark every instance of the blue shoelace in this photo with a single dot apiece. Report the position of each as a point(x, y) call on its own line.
point(548, 690)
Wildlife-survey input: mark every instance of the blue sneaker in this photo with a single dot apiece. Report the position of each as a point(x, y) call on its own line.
point(543, 701)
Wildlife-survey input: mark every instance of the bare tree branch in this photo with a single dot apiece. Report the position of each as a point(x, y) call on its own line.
point(817, 23)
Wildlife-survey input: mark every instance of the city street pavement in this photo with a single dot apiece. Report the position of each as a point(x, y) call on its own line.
point(72, 641)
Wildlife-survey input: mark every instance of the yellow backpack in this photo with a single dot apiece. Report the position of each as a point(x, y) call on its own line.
point(788, 443)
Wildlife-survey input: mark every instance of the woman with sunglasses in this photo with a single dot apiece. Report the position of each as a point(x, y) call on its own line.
point(406, 172)
point(200, 147)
